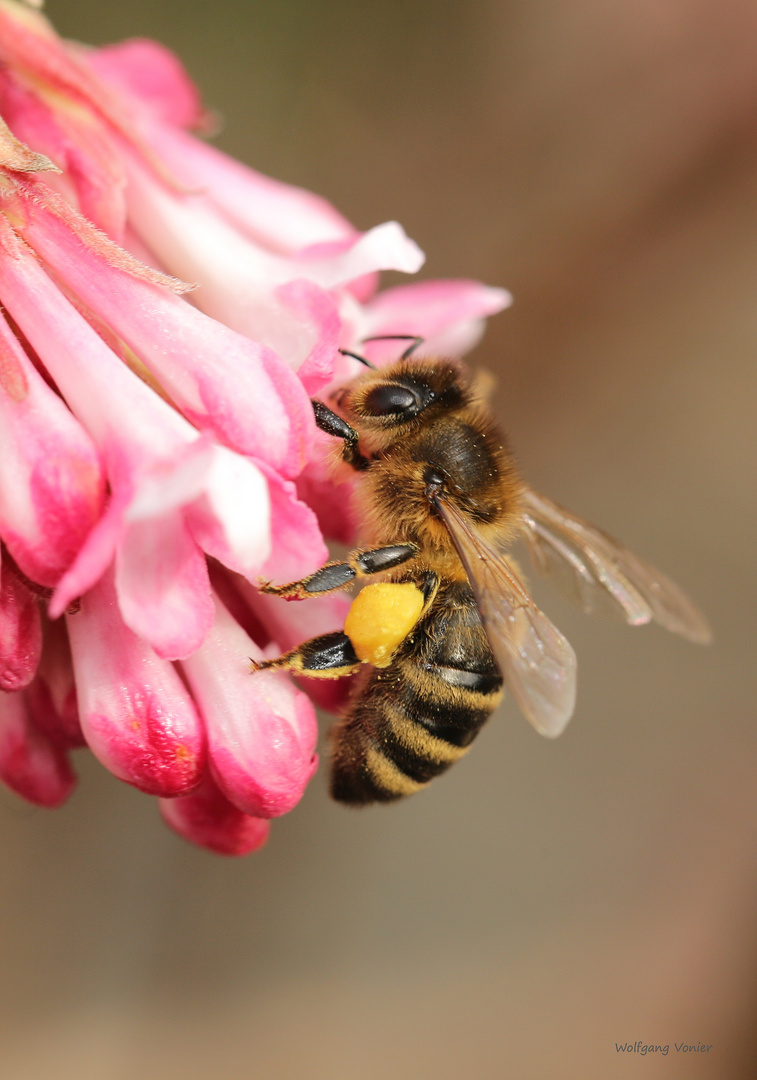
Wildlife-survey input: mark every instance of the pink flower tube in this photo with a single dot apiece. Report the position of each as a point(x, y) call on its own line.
point(166, 315)
point(31, 764)
point(207, 818)
point(261, 732)
point(135, 712)
point(52, 487)
point(20, 630)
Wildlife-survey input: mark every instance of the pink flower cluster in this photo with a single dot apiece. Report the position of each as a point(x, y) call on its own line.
point(159, 453)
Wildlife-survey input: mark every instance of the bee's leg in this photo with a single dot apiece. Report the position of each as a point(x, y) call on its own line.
point(337, 575)
point(326, 657)
point(333, 424)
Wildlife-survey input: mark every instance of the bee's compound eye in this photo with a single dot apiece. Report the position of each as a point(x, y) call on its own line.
point(388, 399)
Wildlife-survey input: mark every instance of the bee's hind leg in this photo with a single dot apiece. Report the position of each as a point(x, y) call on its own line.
point(326, 657)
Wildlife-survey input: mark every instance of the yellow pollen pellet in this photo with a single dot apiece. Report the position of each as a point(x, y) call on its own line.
point(380, 618)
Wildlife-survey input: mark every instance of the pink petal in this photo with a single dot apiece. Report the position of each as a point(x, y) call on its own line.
point(77, 141)
point(52, 482)
point(297, 547)
point(447, 314)
point(112, 403)
point(280, 216)
point(278, 625)
point(207, 818)
point(67, 495)
point(318, 321)
point(216, 376)
point(29, 44)
point(261, 731)
point(30, 764)
point(20, 631)
point(46, 719)
point(94, 558)
point(332, 495)
point(147, 474)
point(51, 698)
point(136, 714)
point(163, 484)
point(231, 520)
point(162, 585)
point(238, 278)
point(385, 247)
point(148, 71)
point(291, 623)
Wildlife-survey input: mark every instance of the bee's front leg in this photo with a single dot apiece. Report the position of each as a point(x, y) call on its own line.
point(333, 424)
point(326, 657)
point(338, 575)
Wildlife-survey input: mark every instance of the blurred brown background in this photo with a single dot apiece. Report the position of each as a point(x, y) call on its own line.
point(544, 901)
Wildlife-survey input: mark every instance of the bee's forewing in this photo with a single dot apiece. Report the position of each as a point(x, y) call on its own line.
point(602, 575)
point(585, 577)
point(538, 664)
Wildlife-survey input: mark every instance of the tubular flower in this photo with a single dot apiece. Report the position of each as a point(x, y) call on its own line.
point(166, 315)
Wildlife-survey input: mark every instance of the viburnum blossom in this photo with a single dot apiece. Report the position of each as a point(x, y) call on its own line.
point(166, 314)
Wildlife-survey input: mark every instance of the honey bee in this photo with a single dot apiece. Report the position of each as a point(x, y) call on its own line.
point(451, 619)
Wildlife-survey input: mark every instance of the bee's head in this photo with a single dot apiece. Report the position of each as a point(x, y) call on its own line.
point(404, 394)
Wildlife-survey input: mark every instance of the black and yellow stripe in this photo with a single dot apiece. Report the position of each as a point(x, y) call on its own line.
point(411, 721)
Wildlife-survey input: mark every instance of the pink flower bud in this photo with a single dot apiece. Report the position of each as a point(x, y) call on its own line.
point(20, 630)
point(51, 696)
point(52, 485)
point(135, 712)
point(261, 731)
point(206, 817)
point(30, 763)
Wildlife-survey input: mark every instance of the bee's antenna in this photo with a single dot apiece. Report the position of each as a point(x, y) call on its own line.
point(361, 359)
point(416, 340)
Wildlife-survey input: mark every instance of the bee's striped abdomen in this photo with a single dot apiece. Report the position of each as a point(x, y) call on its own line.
point(414, 719)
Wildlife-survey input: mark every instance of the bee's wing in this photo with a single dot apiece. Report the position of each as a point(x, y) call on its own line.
point(538, 664)
point(602, 575)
